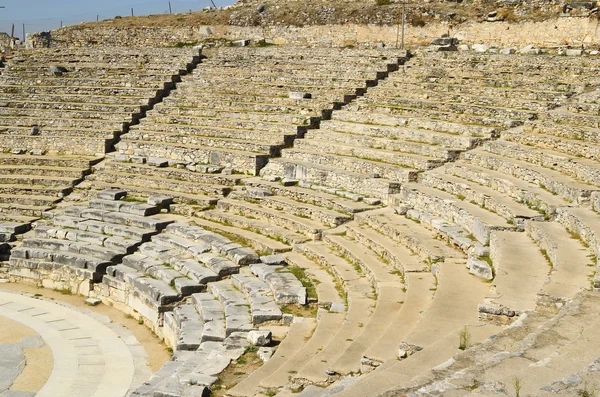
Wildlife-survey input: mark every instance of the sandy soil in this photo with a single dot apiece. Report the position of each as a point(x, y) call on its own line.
point(157, 352)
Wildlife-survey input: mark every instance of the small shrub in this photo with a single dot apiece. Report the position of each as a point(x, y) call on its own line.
point(464, 338)
point(263, 43)
point(517, 385)
point(182, 44)
point(382, 2)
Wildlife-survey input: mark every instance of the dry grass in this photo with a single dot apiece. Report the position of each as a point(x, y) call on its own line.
point(324, 12)
point(220, 17)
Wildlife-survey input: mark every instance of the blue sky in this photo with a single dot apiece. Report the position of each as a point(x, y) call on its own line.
point(39, 15)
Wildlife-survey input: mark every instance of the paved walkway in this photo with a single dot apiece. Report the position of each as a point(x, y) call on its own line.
point(92, 357)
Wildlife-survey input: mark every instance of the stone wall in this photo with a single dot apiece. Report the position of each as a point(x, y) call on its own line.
point(561, 31)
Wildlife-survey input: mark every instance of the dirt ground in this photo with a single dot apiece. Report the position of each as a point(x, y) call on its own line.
point(157, 352)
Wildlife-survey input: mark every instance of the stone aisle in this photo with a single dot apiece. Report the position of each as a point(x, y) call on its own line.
point(92, 357)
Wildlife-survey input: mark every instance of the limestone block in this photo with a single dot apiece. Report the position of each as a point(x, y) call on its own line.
point(259, 338)
point(273, 260)
point(111, 194)
point(299, 95)
point(241, 43)
point(480, 47)
point(508, 51)
point(265, 353)
point(479, 268)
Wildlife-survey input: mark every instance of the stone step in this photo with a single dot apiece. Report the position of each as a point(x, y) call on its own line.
point(419, 156)
point(151, 186)
point(262, 305)
point(425, 122)
point(390, 293)
point(274, 232)
point(90, 267)
point(90, 73)
point(293, 222)
point(274, 123)
point(418, 94)
point(297, 337)
point(447, 116)
point(237, 309)
point(437, 333)
point(582, 224)
point(578, 133)
point(402, 322)
point(31, 210)
point(89, 106)
point(187, 324)
point(83, 214)
point(155, 291)
point(365, 166)
point(56, 133)
point(327, 326)
point(272, 148)
point(583, 107)
point(100, 227)
point(476, 220)
point(393, 138)
point(246, 237)
point(197, 115)
point(116, 243)
point(94, 81)
point(574, 119)
point(262, 105)
point(482, 196)
point(449, 107)
point(18, 189)
point(299, 70)
point(304, 210)
point(330, 95)
point(474, 80)
point(244, 162)
point(53, 247)
point(7, 113)
point(328, 293)
point(200, 178)
point(96, 124)
point(59, 145)
point(582, 169)
point(77, 99)
point(38, 180)
point(92, 90)
point(393, 85)
point(516, 284)
point(81, 162)
point(290, 83)
point(39, 170)
point(360, 301)
point(572, 262)
point(519, 190)
point(218, 244)
point(12, 218)
point(284, 285)
point(314, 195)
point(373, 268)
point(546, 178)
point(398, 239)
point(524, 63)
point(334, 177)
point(194, 134)
point(577, 148)
point(213, 316)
